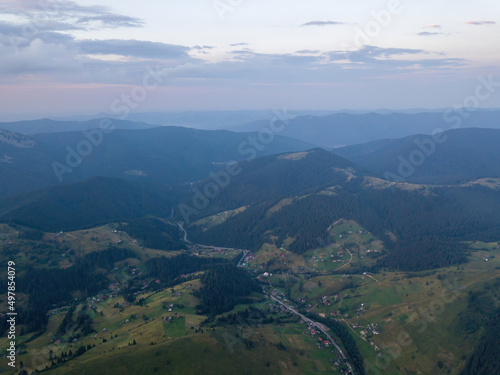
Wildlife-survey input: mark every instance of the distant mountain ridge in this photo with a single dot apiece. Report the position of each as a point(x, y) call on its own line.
point(52, 126)
point(453, 157)
point(343, 129)
point(170, 155)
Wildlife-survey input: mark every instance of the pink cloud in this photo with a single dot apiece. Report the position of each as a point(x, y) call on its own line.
point(480, 22)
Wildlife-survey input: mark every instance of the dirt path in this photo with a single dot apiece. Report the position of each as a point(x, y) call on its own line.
point(350, 260)
point(331, 226)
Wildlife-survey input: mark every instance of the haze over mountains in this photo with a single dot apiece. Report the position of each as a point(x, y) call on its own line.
point(453, 157)
point(321, 128)
point(176, 200)
point(342, 129)
point(419, 203)
point(176, 155)
point(167, 169)
point(54, 126)
point(171, 155)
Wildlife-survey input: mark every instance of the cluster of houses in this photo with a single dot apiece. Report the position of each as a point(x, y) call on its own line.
point(326, 301)
point(278, 307)
point(371, 329)
point(320, 257)
point(375, 346)
point(322, 342)
point(101, 297)
point(134, 270)
point(361, 310)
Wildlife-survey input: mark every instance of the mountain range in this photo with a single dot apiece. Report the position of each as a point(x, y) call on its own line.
point(170, 155)
point(343, 129)
point(106, 225)
point(451, 157)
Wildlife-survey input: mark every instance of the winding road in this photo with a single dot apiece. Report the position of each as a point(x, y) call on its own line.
point(245, 252)
point(320, 328)
point(313, 323)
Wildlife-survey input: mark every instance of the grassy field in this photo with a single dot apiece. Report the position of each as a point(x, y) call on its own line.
point(403, 323)
point(174, 348)
point(415, 314)
point(211, 221)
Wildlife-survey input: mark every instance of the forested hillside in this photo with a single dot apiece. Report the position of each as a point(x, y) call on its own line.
point(422, 228)
point(170, 155)
point(453, 157)
point(155, 233)
point(279, 176)
point(92, 202)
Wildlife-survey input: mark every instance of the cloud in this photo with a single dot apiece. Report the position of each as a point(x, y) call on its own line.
point(373, 52)
point(433, 26)
point(65, 15)
point(133, 48)
point(69, 61)
point(111, 20)
point(427, 33)
point(322, 23)
point(60, 57)
point(308, 51)
point(39, 57)
point(248, 66)
point(378, 59)
point(238, 44)
point(480, 22)
point(202, 47)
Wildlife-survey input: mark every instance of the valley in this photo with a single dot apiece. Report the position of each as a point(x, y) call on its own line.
point(302, 263)
point(233, 187)
point(392, 316)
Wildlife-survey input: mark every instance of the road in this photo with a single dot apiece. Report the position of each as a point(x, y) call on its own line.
point(313, 323)
point(183, 230)
point(245, 252)
point(320, 328)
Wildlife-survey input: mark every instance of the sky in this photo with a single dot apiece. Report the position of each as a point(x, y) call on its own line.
point(61, 58)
